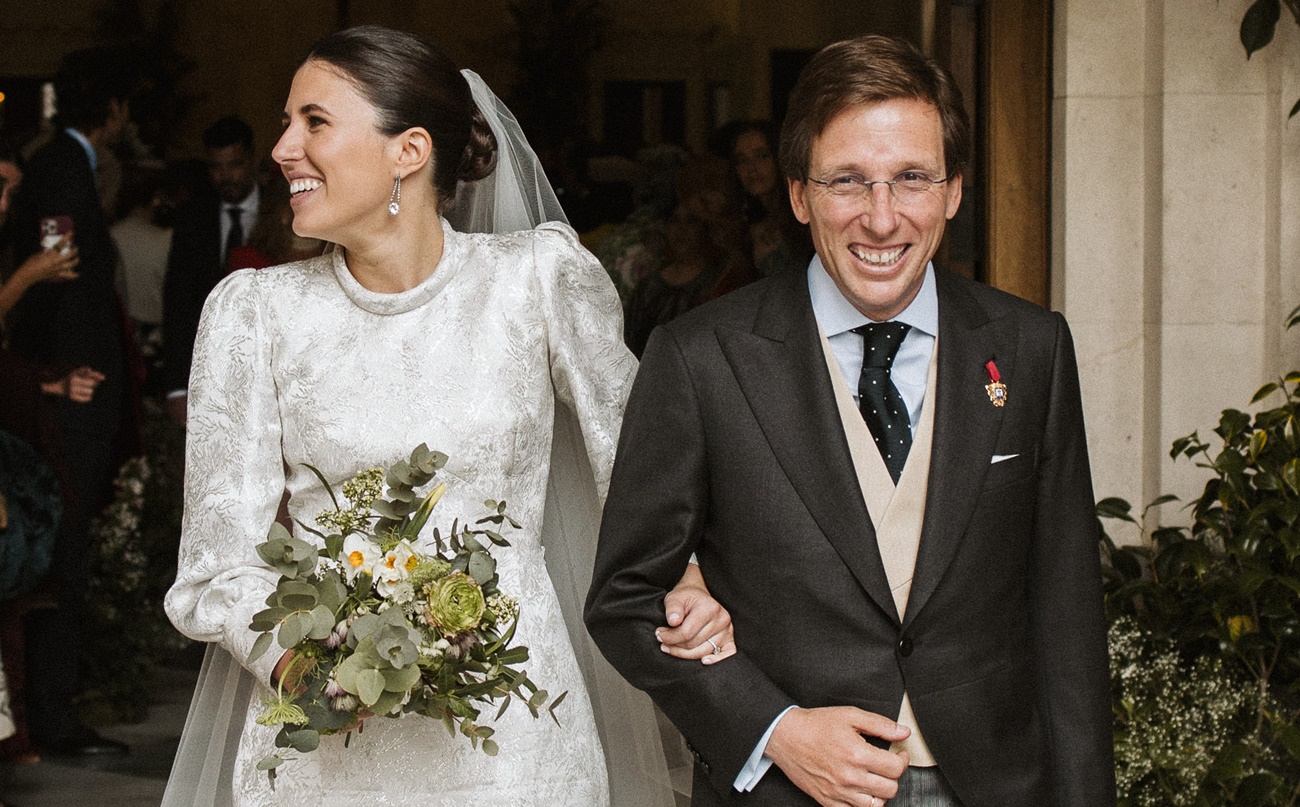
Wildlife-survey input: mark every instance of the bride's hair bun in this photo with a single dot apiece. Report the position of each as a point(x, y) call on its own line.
point(480, 156)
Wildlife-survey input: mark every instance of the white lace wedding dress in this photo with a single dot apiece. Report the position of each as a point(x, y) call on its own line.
point(301, 364)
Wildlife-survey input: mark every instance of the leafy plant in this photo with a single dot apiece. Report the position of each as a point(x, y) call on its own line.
point(1228, 586)
point(130, 564)
point(1259, 25)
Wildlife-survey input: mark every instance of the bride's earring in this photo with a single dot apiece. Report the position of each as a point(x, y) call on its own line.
point(395, 198)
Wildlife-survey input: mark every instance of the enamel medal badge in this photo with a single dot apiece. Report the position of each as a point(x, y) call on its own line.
point(996, 389)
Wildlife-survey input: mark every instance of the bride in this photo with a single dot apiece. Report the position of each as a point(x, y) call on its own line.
point(503, 351)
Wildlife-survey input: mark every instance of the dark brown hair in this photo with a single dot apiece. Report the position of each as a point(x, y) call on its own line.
point(410, 82)
point(868, 70)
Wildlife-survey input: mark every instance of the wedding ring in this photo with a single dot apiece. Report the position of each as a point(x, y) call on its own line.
point(714, 645)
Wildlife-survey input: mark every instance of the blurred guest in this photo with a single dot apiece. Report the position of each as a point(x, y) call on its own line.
point(142, 244)
point(204, 233)
point(634, 249)
point(56, 264)
point(778, 240)
point(704, 254)
point(273, 241)
point(74, 323)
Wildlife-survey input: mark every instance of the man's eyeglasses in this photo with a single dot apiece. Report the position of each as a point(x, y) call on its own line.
point(909, 186)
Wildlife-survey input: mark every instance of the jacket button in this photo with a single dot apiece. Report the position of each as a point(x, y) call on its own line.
point(905, 646)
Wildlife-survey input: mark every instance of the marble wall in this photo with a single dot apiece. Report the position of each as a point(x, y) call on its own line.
point(1176, 217)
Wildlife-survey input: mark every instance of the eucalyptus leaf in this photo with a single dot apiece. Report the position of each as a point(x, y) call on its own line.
point(362, 627)
point(370, 685)
point(269, 618)
point(260, 646)
point(330, 591)
point(400, 680)
point(304, 740)
point(481, 567)
point(297, 595)
point(402, 494)
point(292, 631)
point(269, 763)
point(347, 672)
point(388, 703)
point(389, 509)
point(399, 474)
point(322, 619)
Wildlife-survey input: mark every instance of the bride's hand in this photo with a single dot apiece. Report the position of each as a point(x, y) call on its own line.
point(698, 626)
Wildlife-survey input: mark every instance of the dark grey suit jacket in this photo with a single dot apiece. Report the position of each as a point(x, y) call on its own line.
point(732, 448)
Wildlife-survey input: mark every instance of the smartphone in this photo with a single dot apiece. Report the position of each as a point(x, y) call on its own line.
point(53, 231)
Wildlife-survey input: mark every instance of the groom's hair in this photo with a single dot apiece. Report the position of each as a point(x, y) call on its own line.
point(868, 70)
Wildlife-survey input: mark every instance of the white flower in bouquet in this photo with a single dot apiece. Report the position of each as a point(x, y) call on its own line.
point(359, 556)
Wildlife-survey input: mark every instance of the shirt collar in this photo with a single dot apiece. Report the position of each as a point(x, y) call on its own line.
point(835, 314)
point(85, 144)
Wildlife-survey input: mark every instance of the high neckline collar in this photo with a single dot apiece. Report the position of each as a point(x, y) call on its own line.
point(385, 303)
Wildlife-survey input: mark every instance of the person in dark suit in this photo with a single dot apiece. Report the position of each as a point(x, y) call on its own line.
point(912, 571)
point(74, 323)
point(205, 232)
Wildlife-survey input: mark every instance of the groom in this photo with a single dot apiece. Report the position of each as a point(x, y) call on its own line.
point(881, 468)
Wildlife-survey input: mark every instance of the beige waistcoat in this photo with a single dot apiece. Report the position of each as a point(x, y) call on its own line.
point(897, 512)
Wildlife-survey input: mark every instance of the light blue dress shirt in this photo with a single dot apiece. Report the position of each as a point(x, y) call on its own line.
point(837, 317)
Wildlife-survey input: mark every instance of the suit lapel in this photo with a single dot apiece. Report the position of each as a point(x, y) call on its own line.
point(782, 373)
point(966, 426)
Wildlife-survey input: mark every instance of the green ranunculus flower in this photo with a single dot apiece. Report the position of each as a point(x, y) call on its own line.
point(455, 604)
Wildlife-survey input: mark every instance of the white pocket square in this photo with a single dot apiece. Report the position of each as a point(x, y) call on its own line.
point(1002, 458)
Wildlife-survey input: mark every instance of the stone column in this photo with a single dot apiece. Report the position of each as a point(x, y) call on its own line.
point(1175, 252)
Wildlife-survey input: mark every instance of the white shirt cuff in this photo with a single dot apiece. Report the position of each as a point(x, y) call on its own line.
point(758, 763)
point(176, 393)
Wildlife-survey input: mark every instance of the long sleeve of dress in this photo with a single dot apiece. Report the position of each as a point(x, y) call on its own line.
point(591, 368)
point(234, 475)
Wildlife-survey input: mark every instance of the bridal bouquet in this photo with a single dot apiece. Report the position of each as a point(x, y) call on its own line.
point(378, 626)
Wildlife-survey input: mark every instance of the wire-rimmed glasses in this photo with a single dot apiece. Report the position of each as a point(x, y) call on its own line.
point(906, 187)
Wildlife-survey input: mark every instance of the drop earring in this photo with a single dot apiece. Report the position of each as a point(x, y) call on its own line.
point(395, 198)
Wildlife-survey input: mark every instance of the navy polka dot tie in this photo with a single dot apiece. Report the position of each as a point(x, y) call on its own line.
point(882, 407)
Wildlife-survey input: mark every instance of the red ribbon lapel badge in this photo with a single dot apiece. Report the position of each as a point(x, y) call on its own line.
point(996, 389)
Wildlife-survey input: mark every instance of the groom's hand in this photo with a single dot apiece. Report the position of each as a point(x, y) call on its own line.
point(823, 753)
